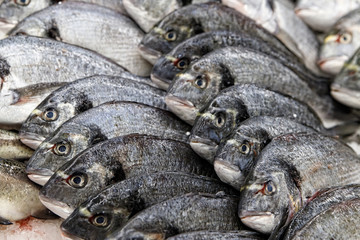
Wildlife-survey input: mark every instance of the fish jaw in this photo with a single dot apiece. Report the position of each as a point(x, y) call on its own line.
point(204, 148)
point(31, 140)
point(332, 65)
point(159, 82)
point(182, 108)
point(263, 222)
point(39, 176)
point(229, 173)
point(59, 208)
point(346, 96)
point(149, 54)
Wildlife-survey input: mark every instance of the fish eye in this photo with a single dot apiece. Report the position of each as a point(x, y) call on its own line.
point(99, 220)
point(77, 180)
point(182, 63)
point(269, 188)
point(244, 148)
point(170, 35)
point(62, 148)
point(220, 120)
point(22, 2)
point(50, 115)
point(345, 38)
point(200, 82)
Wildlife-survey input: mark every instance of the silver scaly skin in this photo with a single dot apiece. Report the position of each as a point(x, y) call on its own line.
point(218, 235)
point(12, 148)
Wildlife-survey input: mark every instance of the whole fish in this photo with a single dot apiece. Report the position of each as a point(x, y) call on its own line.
point(190, 212)
point(192, 89)
point(217, 235)
point(195, 19)
point(28, 61)
point(101, 29)
point(238, 103)
point(18, 196)
point(11, 147)
point(115, 204)
point(341, 43)
point(81, 95)
point(236, 154)
point(278, 17)
point(346, 85)
point(113, 161)
point(321, 15)
point(97, 124)
point(289, 172)
point(333, 213)
point(187, 52)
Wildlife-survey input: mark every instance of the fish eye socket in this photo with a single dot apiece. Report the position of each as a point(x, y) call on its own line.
point(62, 148)
point(50, 115)
point(22, 2)
point(99, 220)
point(182, 63)
point(345, 38)
point(244, 148)
point(77, 180)
point(170, 35)
point(269, 188)
point(200, 82)
point(220, 120)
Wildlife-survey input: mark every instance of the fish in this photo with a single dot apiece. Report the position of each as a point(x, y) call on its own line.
point(321, 15)
point(189, 212)
point(192, 89)
point(113, 161)
point(346, 85)
point(316, 219)
point(340, 43)
point(288, 173)
point(238, 103)
point(81, 95)
point(184, 54)
point(113, 206)
point(194, 19)
point(97, 124)
point(217, 235)
point(29, 60)
point(279, 18)
point(19, 196)
point(11, 147)
point(236, 154)
point(61, 22)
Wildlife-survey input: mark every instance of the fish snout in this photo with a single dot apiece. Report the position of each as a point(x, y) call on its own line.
point(263, 222)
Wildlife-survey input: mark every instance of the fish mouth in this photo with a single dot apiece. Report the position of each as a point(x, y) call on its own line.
point(31, 140)
point(159, 81)
point(263, 222)
point(68, 236)
point(228, 173)
point(204, 148)
point(346, 96)
point(39, 176)
point(332, 65)
point(150, 55)
point(59, 208)
point(182, 108)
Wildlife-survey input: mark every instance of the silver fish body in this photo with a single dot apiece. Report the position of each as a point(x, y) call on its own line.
point(35, 61)
point(114, 160)
point(289, 172)
point(217, 235)
point(341, 43)
point(236, 155)
point(101, 29)
point(190, 212)
point(238, 103)
point(11, 147)
point(81, 95)
point(114, 204)
point(106, 121)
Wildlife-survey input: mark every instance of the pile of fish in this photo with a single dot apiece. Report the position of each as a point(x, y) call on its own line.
point(232, 119)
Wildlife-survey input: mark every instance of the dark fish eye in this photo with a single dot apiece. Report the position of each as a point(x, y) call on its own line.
point(220, 120)
point(345, 38)
point(170, 35)
point(99, 220)
point(244, 148)
point(182, 63)
point(22, 2)
point(269, 188)
point(62, 148)
point(200, 82)
point(50, 115)
point(77, 180)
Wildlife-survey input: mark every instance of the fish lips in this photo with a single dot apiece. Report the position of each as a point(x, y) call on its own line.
point(151, 55)
point(204, 147)
point(229, 173)
point(346, 96)
point(39, 176)
point(59, 208)
point(160, 82)
point(31, 140)
point(332, 65)
point(182, 108)
point(263, 222)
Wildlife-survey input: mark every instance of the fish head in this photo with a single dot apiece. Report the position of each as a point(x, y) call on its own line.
point(236, 155)
point(31, 26)
point(166, 34)
point(56, 150)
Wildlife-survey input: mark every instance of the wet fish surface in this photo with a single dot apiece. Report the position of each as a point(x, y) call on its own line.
point(190, 212)
point(204, 79)
point(236, 155)
point(112, 207)
point(114, 160)
point(19, 196)
point(217, 235)
point(195, 19)
point(29, 60)
point(11, 147)
point(81, 95)
point(289, 172)
point(101, 29)
point(238, 103)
